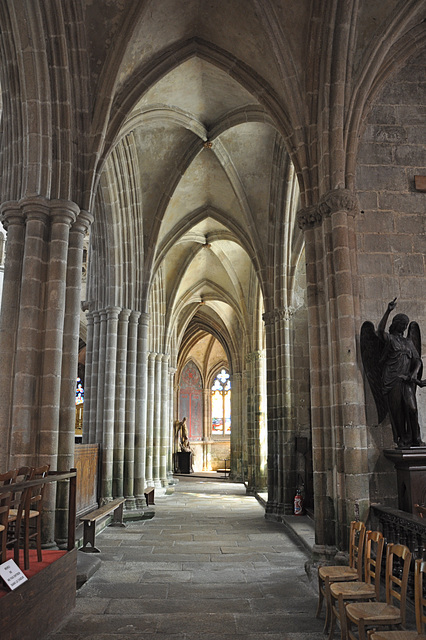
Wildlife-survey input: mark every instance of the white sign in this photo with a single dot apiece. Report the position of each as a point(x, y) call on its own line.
point(12, 574)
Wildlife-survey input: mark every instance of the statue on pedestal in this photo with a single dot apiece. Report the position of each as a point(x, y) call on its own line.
point(393, 366)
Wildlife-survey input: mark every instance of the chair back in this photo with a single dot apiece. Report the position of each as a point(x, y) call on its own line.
point(5, 499)
point(8, 477)
point(356, 545)
point(34, 497)
point(374, 545)
point(398, 559)
point(420, 600)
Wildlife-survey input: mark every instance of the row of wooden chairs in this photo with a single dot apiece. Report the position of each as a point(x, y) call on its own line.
point(355, 602)
point(20, 513)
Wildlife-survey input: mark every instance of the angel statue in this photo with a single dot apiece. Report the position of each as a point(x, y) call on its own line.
point(393, 365)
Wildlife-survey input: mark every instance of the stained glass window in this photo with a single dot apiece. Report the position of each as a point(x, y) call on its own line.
point(221, 404)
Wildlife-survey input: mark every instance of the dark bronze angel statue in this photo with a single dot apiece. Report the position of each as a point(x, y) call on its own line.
point(393, 365)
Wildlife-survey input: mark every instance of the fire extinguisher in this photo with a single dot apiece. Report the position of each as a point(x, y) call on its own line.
point(298, 503)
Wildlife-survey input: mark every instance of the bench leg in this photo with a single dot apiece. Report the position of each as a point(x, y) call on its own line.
point(117, 519)
point(89, 533)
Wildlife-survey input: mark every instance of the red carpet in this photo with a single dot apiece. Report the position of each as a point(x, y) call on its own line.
point(49, 556)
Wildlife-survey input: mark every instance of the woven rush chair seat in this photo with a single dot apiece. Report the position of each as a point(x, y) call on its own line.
point(420, 604)
point(342, 573)
point(339, 593)
point(367, 616)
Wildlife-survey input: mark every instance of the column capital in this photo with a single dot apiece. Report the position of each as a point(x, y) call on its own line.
point(144, 318)
point(11, 213)
point(112, 312)
point(309, 217)
point(338, 200)
point(125, 314)
point(134, 317)
point(82, 222)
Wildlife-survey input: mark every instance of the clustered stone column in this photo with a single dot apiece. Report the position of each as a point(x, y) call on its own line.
point(237, 426)
point(281, 428)
point(41, 292)
point(338, 422)
point(253, 391)
point(128, 400)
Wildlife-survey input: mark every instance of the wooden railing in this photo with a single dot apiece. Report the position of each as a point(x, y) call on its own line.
point(403, 528)
point(55, 476)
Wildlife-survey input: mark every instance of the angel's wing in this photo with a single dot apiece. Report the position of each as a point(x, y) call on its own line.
point(371, 355)
point(414, 335)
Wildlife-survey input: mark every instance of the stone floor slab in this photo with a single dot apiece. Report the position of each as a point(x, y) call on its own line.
point(207, 566)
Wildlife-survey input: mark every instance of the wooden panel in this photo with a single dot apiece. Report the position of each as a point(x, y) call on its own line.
point(86, 463)
point(420, 182)
point(39, 605)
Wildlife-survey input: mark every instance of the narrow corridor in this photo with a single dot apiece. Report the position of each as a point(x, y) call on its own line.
point(208, 566)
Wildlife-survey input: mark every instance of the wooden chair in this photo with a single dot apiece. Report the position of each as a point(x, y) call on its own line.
point(370, 615)
point(31, 515)
point(15, 512)
point(339, 593)
point(420, 603)
point(342, 573)
point(6, 478)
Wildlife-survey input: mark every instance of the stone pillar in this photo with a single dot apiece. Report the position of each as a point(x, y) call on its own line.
point(24, 425)
point(110, 364)
point(13, 222)
point(157, 421)
point(150, 419)
point(274, 507)
point(170, 461)
point(100, 387)
point(130, 415)
point(120, 404)
point(253, 426)
point(88, 435)
point(71, 341)
point(236, 426)
point(141, 445)
point(339, 438)
point(164, 424)
point(207, 430)
point(69, 367)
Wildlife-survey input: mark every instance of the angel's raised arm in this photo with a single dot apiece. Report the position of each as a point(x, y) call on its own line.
point(382, 324)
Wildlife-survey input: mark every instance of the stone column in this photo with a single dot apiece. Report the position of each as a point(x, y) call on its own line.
point(170, 461)
point(13, 222)
point(120, 403)
point(338, 208)
point(150, 419)
point(274, 507)
point(157, 421)
point(130, 416)
point(141, 445)
point(339, 440)
point(71, 341)
point(69, 367)
point(88, 436)
point(253, 427)
point(164, 424)
point(100, 387)
point(24, 423)
point(236, 426)
point(207, 436)
point(110, 364)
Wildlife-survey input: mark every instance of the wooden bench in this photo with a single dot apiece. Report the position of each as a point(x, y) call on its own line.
point(90, 520)
point(148, 492)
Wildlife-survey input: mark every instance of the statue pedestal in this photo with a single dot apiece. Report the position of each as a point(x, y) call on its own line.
point(410, 465)
point(184, 461)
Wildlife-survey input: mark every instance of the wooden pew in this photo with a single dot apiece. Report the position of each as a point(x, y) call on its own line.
point(90, 520)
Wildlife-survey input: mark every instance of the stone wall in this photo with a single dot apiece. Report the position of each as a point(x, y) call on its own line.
point(392, 231)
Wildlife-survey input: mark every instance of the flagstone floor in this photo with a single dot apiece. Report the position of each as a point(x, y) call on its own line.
point(207, 566)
